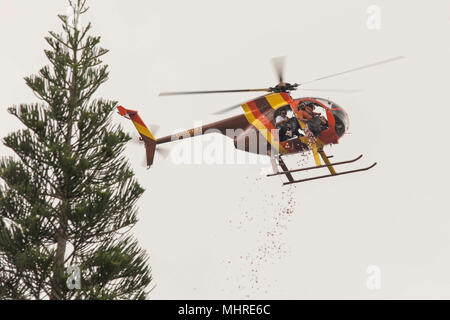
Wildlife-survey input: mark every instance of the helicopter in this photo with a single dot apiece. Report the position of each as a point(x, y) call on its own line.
point(260, 131)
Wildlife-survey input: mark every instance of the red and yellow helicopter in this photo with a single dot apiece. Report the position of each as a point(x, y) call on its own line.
point(263, 119)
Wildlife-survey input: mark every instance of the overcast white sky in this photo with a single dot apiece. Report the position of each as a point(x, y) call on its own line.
point(225, 231)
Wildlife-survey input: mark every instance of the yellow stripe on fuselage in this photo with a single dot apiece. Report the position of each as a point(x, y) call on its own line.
point(276, 100)
point(143, 130)
point(263, 130)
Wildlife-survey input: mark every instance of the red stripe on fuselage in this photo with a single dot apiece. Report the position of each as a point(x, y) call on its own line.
point(258, 115)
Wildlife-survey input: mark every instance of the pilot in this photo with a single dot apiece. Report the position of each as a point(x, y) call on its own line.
point(301, 106)
point(306, 111)
point(323, 123)
point(317, 124)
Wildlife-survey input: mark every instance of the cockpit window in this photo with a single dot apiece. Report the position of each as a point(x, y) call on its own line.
point(341, 121)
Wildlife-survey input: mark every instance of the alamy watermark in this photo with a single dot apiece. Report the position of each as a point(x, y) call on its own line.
point(373, 281)
point(373, 21)
point(74, 279)
point(209, 147)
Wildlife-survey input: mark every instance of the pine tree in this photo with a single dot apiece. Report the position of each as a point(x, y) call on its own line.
point(67, 197)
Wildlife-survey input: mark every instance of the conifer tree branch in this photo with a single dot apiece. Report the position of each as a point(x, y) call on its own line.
point(69, 196)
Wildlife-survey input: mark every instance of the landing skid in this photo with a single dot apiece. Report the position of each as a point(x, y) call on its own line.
point(329, 165)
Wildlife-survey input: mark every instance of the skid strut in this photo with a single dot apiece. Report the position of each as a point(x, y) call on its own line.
point(285, 169)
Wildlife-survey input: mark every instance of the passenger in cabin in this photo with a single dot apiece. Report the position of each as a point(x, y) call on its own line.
point(283, 125)
point(281, 119)
point(317, 124)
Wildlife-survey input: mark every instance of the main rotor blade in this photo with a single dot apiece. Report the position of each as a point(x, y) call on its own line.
point(355, 69)
point(225, 110)
point(334, 90)
point(278, 65)
point(212, 91)
point(163, 151)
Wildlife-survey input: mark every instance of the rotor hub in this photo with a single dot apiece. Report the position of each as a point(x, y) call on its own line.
point(284, 87)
